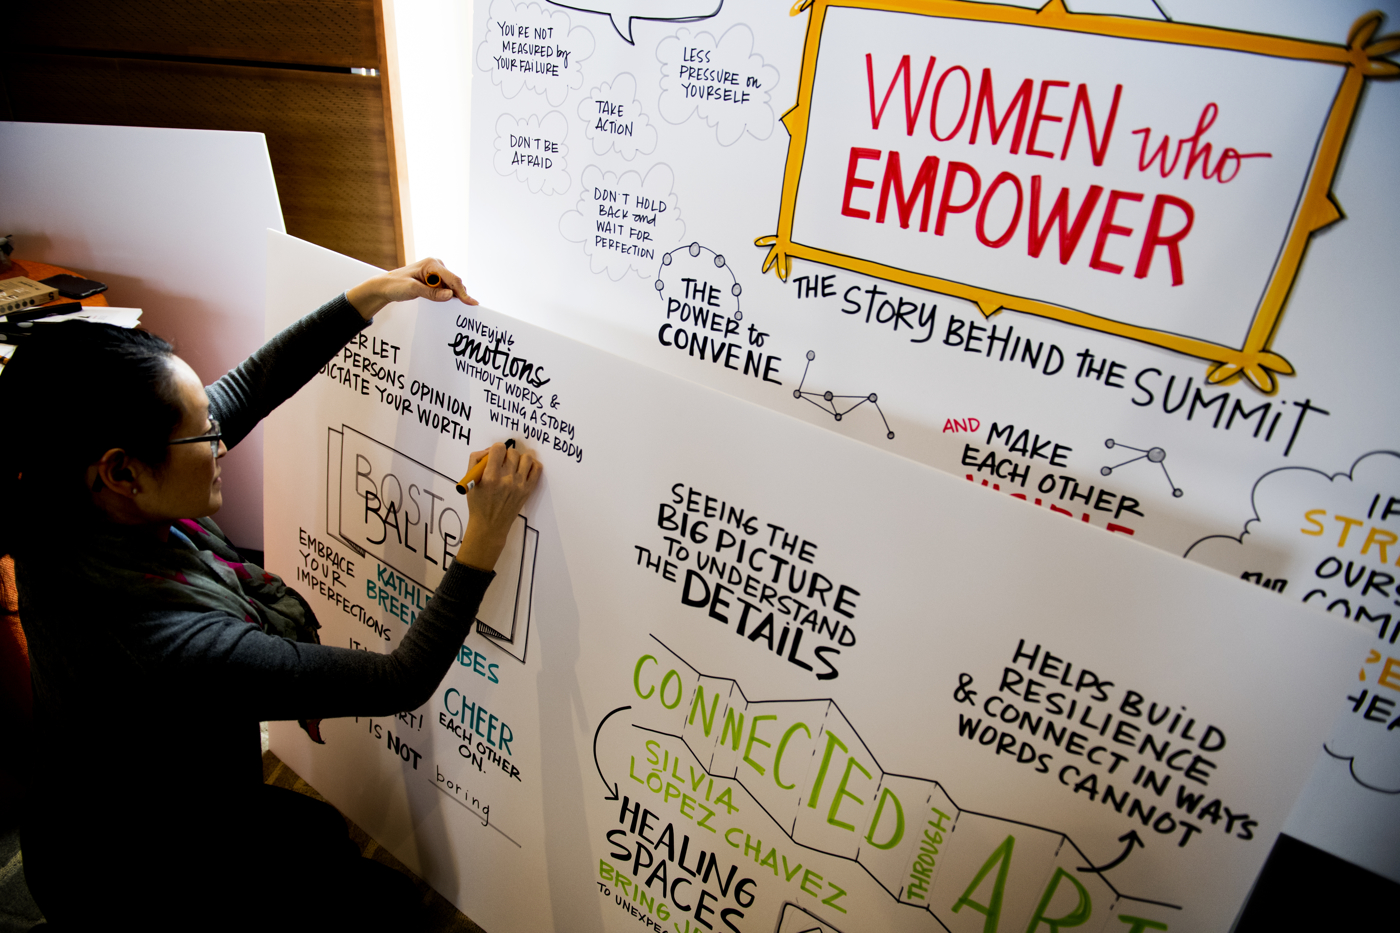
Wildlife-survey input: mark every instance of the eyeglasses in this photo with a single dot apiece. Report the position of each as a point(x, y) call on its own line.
point(214, 437)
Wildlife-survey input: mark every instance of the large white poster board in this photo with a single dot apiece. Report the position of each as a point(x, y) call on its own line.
point(1113, 267)
point(172, 220)
point(740, 673)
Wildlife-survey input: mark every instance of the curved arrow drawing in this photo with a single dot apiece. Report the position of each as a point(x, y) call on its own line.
point(1132, 839)
point(612, 788)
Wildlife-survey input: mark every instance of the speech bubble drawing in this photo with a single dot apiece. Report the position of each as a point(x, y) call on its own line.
point(533, 151)
point(1333, 541)
point(530, 46)
point(613, 118)
point(723, 80)
point(625, 221)
point(623, 12)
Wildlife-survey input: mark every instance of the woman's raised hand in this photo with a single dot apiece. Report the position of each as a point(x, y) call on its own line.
point(371, 295)
point(493, 503)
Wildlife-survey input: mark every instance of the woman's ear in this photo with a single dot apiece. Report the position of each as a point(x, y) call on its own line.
point(118, 472)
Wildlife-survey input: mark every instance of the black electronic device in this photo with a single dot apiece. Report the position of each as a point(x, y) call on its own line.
point(75, 286)
point(43, 311)
point(19, 324)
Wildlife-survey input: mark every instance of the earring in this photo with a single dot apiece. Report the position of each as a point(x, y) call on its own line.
point(135, 491)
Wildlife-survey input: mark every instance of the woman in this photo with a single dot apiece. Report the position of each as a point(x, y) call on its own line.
point(155, 650)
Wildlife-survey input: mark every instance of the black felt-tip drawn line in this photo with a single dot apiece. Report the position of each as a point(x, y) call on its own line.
point(597, 732)
point(485, 820)
point(1351, 766)
point(1131, 838)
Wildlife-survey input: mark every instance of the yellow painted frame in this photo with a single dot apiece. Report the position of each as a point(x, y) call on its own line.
point(1360, 56)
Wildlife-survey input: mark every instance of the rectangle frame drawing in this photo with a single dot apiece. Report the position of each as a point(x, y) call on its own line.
point(1252, 358)
point(504, 617)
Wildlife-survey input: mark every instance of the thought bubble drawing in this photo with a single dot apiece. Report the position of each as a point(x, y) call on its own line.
point(1330, 540)
point(530, 46)
point(1366, 739)
point(728, 85)
point(623, 12)
point(625, 221)
point(533, 151)
point(1333, 541)
point(612, 117)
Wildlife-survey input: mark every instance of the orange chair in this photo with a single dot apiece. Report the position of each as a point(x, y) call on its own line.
point(16, 694)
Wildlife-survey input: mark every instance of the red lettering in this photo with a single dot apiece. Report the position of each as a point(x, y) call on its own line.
point(1002, 240)
point(1238, 158)
point(911, 111)
point(1171, 241)
point(1231, 153)
point(1199, 153)
point(1108, 228)
point(945, 205)
point(1069, 239)
point(938, 91)
point(894, 180)
point(1041, 115)
point(1204, 122)
point(1145, 161)
point(852, 182)
point(986, 102)
point(1081, 98)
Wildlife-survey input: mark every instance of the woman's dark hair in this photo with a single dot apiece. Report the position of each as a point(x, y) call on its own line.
point(73, 391)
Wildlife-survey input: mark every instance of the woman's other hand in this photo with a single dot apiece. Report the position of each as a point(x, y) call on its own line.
point(371, 295)
point(494, 502)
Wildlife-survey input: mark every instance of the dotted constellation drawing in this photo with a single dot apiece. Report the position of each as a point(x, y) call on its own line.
point(695, 249)
point(1155, 455)
point(828, 401)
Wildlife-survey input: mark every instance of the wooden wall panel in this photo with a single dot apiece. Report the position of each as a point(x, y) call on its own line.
point(309, 32)
point(325, 132)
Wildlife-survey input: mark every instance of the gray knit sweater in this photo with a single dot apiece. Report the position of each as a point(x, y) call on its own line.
point(120, 692)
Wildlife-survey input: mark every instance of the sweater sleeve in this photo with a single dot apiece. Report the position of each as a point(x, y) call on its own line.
point(237, 666)
point(276, 370)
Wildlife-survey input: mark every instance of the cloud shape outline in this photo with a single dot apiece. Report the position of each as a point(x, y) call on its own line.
point(574, 225)
point(578, 40)
point(642, 140)
point(554, 126)
point(733, 51)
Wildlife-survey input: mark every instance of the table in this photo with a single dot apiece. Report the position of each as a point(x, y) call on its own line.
point(38, 271)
